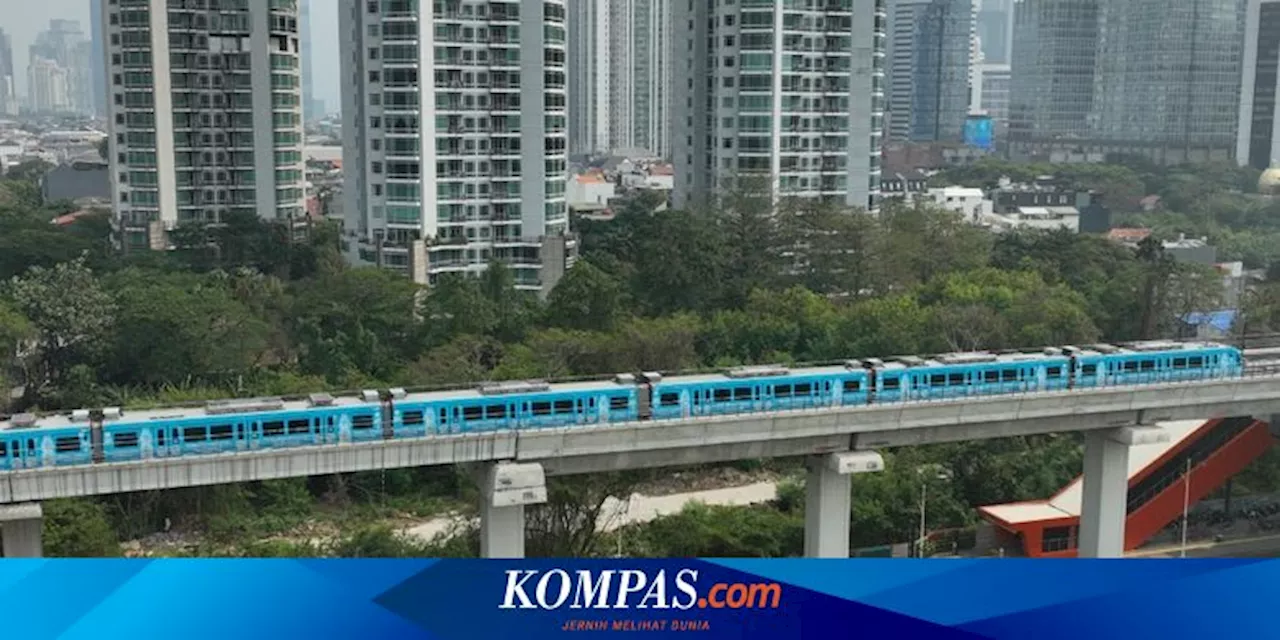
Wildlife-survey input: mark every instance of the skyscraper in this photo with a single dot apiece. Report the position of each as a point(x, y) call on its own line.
point(205, 115)
point(62, 45)
point(48, 86)
point(788, 93)
point(995, 30)
point(1167, 84)
point(312, 109)
point(97, 62)
point(930, 50)
point(1051, 89)
point(454, 127)
point(589, 76)
point(620, 76)
point(1258, 139)
point(8, 88)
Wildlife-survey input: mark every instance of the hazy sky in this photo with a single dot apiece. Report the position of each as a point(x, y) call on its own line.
point(23, 19)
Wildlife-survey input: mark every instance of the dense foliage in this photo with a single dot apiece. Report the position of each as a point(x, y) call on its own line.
point(246, 309)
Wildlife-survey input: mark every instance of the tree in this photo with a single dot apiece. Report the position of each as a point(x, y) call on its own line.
point(586, 298)
point(73, 317)
point(567, 524)
point(78, 528)
point(28, 171)
point(361, 320)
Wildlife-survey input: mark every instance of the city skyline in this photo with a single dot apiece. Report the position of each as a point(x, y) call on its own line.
point(25, 26)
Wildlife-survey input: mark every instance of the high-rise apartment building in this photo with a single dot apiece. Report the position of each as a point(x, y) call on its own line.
point(589, 76)
point(1257, 138)
point(97, 62)
point(1055, 49)
point(930, 49)
point(48, 86)
point(1167, 84)
point(789, 91)
point(454, 127)
point(312, 108)
point(620, 76)
point(205, 113)
point(8, 86)
point(65, 45)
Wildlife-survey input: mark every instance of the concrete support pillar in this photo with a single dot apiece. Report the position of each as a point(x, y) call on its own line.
point(505, 489)
point(826, 507)
point(1273, 423)
point(1103, 508)
point(20, 529)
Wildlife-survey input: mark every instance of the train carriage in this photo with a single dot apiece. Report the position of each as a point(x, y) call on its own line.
point(110, 435)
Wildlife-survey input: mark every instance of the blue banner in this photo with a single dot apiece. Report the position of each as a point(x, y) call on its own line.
point(529, 600)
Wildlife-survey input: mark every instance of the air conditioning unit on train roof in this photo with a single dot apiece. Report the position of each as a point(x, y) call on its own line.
point(218, 407)
point(24, 420)
point(976, 357)
point(320, 400)
point(625, 378)
point(758, 372)
point(369, 395)
point(515, 386)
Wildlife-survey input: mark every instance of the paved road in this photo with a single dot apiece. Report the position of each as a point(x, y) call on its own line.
point(1262, 547)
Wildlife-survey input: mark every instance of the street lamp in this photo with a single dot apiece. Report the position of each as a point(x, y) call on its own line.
point(926, 471)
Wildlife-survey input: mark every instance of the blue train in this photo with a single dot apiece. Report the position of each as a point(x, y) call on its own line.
point(112, 435)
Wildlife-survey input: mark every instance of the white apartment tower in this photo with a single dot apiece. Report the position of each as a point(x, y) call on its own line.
point(454, 127)
point(204, 111)
point(620, 76)
point(589, 76)
point(789, 89)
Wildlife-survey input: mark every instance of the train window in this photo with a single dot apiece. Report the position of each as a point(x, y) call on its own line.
point(1009, 375)
point(220, 432)
point(1179, 363)
point(160, 437)
point(891, 383)
point(4, 450)
point(299, 426)
point(955, 379)
point(1089, 370)
point(563, 406)
point(444, 416)
point(1195, 362)
point(495, 412)
point(276, 427)
point(1130, 366)
point(803, 389)
point(852, 386)
point(412, 417)
point(1147, 365)
point(194, 434)
point(742, 393)
point(938, 379)
point(1053, 372)
point(66, 444)
point(364, 421)
point(721, 395)
point(670, 399)
point(619, 403)
point(782, 391)
point(991, 376)
point(542, 408)
point(472, 413)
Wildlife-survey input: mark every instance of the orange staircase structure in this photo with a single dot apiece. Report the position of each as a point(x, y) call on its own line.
point(1158, 485)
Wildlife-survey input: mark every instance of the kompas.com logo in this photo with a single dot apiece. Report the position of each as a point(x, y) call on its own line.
point(631, 589)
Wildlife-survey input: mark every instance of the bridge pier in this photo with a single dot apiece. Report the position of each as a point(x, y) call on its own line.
point(20, 529)
point(827, 500)
point(505, 489)
point(1103, 505)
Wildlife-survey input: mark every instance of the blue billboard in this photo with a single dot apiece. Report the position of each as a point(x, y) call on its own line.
point(979, 132)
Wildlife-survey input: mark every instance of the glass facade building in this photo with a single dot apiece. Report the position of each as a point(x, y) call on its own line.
point(1055, 50)
point(1168, 79)
point(1257, 143)
point(929, 50)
